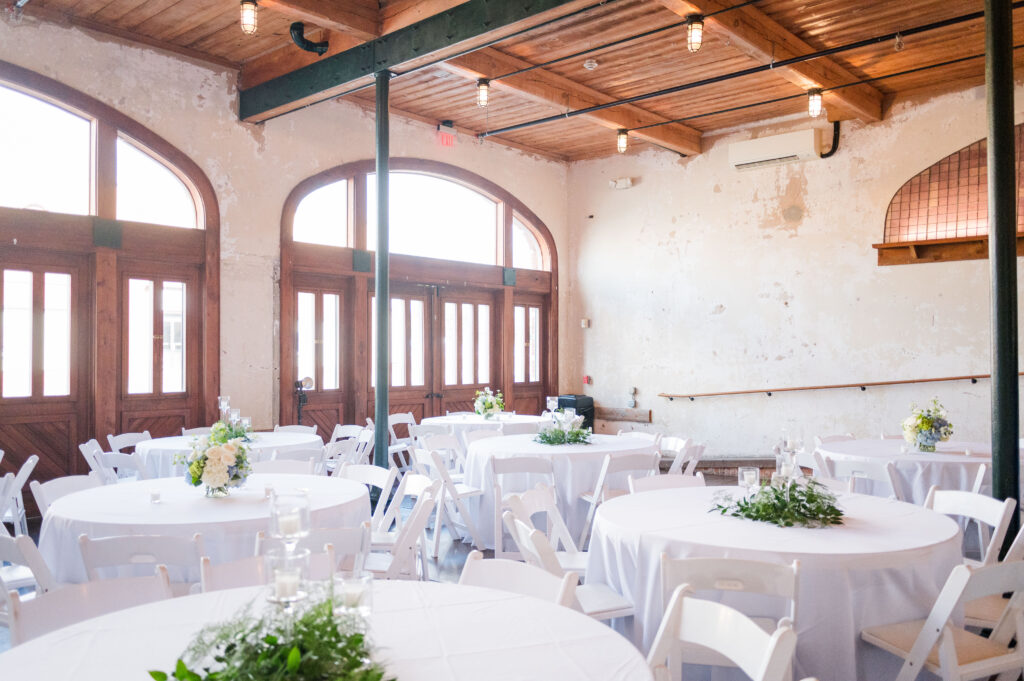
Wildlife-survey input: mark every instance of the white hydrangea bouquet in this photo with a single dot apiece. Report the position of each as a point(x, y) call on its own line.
point(488, 404)
point(219, 460)
point(925, 427)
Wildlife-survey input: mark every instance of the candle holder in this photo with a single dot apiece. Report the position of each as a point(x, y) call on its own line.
point(289, 518)
point(224, 406)
point(353, 593)
point(748, 477)
point(288, 571)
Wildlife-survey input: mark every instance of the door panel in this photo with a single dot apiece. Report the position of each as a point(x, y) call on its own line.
point(321, 341)
point(469, 363)
point(528, 353)
point(411, 352)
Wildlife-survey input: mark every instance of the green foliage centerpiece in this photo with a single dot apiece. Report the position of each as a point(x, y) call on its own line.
point(792, 502)
point(319, 644)
point(219, 460)
point(565, 431)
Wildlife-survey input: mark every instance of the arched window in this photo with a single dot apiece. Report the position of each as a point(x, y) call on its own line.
point(473, 304)
point(109, 243)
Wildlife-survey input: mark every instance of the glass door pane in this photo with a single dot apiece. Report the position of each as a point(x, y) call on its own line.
point(305, 342)
point(331, 341)
point(17, 334)
point(173, 306)
point(57, 334)
point(140, 336)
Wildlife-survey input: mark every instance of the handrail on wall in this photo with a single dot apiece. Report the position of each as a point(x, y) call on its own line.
point(862, 386)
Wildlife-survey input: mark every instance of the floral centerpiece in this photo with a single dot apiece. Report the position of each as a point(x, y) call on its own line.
point(793, 502)
point(219, 460)
point(566, 430)
point(487, 404)
point(925, 427)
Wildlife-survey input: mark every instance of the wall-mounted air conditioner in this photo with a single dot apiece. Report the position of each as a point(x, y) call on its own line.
point(774, 149)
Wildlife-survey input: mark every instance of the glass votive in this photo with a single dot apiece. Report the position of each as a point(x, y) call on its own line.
point(353, 592)
point(289, 517)
point(779, 480)
point(154, 496)
point(787, 469)
point(551, 401)
point(288, 571)
point(247, 424)
point(748, 476)
point(968, 452)
point(268, 492)
point(234, 416)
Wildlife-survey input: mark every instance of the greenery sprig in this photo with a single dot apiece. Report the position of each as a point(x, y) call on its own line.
point(315, 646)
point(809, 504)
point(557, 436)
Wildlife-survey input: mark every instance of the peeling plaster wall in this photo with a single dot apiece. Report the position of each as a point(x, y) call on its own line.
point(702, 278)
point(253, 168)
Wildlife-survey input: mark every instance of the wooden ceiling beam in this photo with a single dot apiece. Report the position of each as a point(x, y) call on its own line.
point(544, 86)
point(464, 28)
point(356, 19)
point(288, 58)
point(763, 39)
point(402, 13)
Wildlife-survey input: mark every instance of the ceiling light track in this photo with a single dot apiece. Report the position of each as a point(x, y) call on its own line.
point(867, 42)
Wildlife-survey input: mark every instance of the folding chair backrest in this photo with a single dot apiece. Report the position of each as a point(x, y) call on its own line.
point(383, 479)
point(730, 574)
point(760, 655)
point(404, 418)
point(76, 602)
point(520, 578)
point(344, 432)
point(417, 433)
point(471, 436)
point(978, 507)
point(411, 485)
point(22, 551)
point(91, 451)
point(249, 571)
point(641, 464)
point(839, 437)
point(676, 447)
point(45, 493)
point(115, 465)
point(343, 452)
point(177, 554)
point(284, 467)
point(21, 479)
point(403, 550)
point(119, 442)
point(295, 429)
point(532, 544)
point(667, 481)
point(883, 472)
point(446, 444)
point(542, 499)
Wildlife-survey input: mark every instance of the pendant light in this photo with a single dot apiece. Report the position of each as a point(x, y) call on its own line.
point(814, 102)
point(694, 32)
point(622, 140)
point(483, 87)
point(248, 17)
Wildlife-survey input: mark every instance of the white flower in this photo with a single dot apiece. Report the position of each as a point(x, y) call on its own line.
point(215, 476)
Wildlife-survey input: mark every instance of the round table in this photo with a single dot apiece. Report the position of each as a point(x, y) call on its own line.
point(886, 563)
point(228, 525)
point(511, 424)
point(576, 471)
point(158, 454)
point(948, 466)
point(421, 631)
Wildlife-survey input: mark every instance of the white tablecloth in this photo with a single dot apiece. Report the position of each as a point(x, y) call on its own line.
point(422, 631)
point(886, 563)
point(948, 467)
point(576, 471)
point(511, 424)
point(158, 454)
point(228, 525)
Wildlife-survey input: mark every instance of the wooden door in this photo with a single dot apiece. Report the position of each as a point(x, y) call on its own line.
point(160, 366)
point(322, 333)
point(46, 345)
point(528, 353)
point(468, 360)
point(412, 351)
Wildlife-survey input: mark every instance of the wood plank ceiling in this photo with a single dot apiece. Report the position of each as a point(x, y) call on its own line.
point(738, 36)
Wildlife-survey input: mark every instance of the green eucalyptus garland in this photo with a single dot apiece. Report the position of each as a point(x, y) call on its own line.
point(557, 436)
point(808, 504)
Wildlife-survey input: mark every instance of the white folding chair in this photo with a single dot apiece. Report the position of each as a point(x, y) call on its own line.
point(417, 432)
point(6, 487)
point(614, 463)
point(21, 567)
point(349, 547)
point(119, 442)
point(985, 612)
point(688, 621)
point(654, 438)
point(400, 448)
point(471, 436)
point(431, 463)
point(45, 493)
point(513, 465)
point(411, 486)
point(13, 510)
point(593, 599)
point(982, 509)
point(284, 467)
point(731, 575)
point(311, 430)
point(541, 500)
point(400, 560)
point(881, 473)
point(249, 571)
point(345, 432)
point(340, 453)
point(520, 578)
point(201, 430)
point(667, 481)
point(450, 447)
point(134, 553)
point(374, 477)
point(76, 602)
point(952, 653)
point(113, 467)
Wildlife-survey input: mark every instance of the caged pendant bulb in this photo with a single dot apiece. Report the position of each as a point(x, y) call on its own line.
point(814, 102)
point(483, 88)
point(248, 16)
point(694, 32)
point(622, 141)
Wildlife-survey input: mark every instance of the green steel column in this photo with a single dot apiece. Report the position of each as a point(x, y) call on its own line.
point(381, 288)
point(1002, 252)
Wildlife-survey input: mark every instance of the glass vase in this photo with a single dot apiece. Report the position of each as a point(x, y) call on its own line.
point(216, 492)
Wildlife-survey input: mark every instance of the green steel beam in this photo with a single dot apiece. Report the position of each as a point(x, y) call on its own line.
point(463, 28)
point(381, 291)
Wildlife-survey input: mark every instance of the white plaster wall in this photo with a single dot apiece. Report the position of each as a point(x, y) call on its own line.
point(253, 168)
point(702, 278)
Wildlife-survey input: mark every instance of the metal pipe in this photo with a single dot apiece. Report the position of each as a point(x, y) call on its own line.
point(867, 42)
point(381, 288)
point(1002, 254)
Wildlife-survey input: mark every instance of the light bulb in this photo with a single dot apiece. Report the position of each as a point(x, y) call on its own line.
point(694, 32)
point(622, 141)
point(814, 102)
point(483, 87)
point(248, 17)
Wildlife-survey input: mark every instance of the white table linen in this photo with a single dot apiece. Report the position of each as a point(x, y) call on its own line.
point(228, 524)
point(158, 454)
point(511, 424)
point(577, 468)
point(948, 467)
point(886, 563)
point(421, 631)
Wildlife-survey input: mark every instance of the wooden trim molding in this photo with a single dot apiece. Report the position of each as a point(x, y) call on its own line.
point(938, 250)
